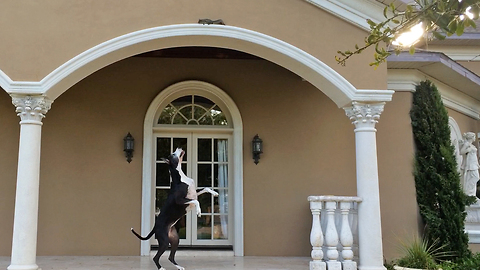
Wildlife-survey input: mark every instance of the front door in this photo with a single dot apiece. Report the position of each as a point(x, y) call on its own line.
point(207, 161)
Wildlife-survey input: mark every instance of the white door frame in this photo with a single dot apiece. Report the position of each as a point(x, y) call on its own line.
point(148, 185)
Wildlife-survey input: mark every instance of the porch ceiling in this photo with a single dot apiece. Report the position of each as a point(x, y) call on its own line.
point(199, 53)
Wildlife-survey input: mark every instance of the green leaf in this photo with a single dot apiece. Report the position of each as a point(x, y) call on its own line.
point(473, 24)
point(441, 6)
point(412, 49)
point(460, 28)
point(370, 39)
point(438, 36)
point(452, 26)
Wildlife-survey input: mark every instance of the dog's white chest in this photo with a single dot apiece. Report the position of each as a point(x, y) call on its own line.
point(192, 190)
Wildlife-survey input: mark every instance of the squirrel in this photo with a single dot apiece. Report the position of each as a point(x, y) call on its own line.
point(208, 21)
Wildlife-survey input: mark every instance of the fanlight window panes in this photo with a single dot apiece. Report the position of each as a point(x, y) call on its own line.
point(192, 110)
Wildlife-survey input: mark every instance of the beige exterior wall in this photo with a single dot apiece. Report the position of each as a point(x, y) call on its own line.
point(400, 219)
point(54, 32)
point(465, 123)
point(90, 196)
point(8, 168)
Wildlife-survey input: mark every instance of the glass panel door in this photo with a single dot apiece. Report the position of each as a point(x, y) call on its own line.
point(212, 171)
point(206, 161)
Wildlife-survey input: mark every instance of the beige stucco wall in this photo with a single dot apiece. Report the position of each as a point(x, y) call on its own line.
point(400, 219)
point(465, 123)
point(8, 169)
point(90, 196)
point(39, 37)
point(397, 185)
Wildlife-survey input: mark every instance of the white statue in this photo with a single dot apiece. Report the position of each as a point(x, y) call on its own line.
point(470, 164)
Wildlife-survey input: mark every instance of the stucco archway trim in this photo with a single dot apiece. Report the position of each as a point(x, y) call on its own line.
point(298, 61)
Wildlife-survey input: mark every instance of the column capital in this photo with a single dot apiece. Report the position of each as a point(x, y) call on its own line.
point(31, 109)
point(364, 115)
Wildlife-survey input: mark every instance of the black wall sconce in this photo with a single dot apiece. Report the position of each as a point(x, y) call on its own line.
point(257, 148)
point(128, 146)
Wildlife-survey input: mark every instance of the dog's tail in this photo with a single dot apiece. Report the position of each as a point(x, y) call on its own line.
point(143, 238)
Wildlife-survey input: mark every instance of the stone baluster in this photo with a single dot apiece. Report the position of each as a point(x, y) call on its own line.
point(346, 237)
point(316, 238)
point(331, 237)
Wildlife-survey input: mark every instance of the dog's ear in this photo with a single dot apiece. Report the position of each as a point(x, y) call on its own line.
point(165, 160)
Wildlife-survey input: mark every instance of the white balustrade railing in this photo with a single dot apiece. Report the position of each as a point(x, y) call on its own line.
point(333, 235)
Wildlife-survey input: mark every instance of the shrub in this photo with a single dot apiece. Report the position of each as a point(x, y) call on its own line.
point(470, 263)
point(440, 197)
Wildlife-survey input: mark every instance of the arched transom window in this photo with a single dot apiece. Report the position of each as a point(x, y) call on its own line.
point(192, 110)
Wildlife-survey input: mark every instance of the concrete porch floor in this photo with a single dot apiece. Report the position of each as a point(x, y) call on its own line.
point(146, 263)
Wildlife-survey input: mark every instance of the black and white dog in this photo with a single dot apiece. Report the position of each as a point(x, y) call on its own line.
point(181, 198)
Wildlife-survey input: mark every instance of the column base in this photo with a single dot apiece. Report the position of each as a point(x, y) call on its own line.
point(349, 265)
point(24, 267)
point(334, 265)
point(318, 265)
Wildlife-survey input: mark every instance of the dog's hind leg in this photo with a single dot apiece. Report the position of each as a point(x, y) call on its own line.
point(156, 260)
point(174, 241)
point(162, 246)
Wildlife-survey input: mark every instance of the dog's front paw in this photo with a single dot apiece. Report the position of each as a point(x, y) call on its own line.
point(214, 193)
point(179, 267)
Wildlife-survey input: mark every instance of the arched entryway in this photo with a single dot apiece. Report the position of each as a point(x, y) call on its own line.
point(204, 120)
point(292, 58)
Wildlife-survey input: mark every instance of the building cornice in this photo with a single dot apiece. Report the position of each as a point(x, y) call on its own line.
point(458, 53)
point(356, 12)
point(405, 80)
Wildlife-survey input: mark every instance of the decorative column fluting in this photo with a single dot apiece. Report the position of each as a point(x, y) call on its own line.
point(32, 110)
point(364, 116)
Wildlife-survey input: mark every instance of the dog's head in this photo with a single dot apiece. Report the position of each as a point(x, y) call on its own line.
point(174, 158)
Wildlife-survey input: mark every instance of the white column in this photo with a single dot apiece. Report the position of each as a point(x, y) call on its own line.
point(31, 110)
point(364, 116)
